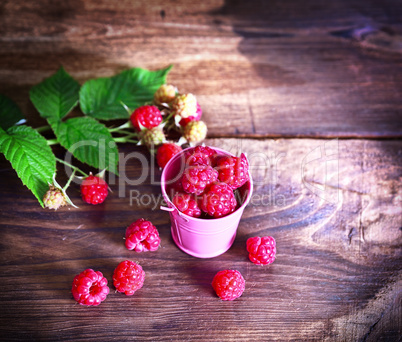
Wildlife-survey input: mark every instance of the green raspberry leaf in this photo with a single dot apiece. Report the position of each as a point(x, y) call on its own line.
point(10, 114)
point(102, 98)
point(89, 141)
point(56, 96)
point(30, 156)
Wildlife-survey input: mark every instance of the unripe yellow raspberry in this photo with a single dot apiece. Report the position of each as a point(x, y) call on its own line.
point(165, 94)
point(152, 137)
point(195, 131)
point(185, 105)
point(54, 198)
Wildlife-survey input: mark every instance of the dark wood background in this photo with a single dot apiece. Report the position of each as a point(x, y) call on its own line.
point(279, 80)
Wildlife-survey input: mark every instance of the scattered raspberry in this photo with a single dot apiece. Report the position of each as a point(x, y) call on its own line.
point(262, 250)
point(128, 277)
point(187, 204)
point(54, 198)
point(233, 170)
point(94, 189)
point(185, 105)
point(165, 94)
point(196, 178)
point(90, 287)
point(219, 200)
point(152, 137)
point(196, 117)
point(229, 284)
point(142, 236)
point(195, 131)
point(200, 155)
point(166, 152)
point(147, 116)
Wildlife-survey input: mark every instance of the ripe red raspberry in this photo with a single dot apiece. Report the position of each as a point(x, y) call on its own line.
point(229, 284)
point(196, 178)
point(195, 132)
point(200, 155)
point(233, 170)
point(174, 188)
point(166, 152)
point(165, 94)
point(90, 287)
point(54, 198)
point(185, 105)
point(128, 277)
point(147, 116)
point(262, 250)
point(94, 189)
point(187, 204)
point(196, 117)
point(219, 200)
point(142, 236)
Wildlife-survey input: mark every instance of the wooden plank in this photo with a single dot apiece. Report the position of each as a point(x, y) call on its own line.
point(337, 275)
point(284, 70)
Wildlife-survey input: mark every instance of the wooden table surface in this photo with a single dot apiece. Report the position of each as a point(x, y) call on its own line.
point(311, 90)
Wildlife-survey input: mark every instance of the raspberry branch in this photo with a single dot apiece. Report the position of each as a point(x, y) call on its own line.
point(74, 168)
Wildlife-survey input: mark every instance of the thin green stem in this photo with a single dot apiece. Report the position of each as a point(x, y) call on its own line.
point(121, 127)
point(127, 135)
point(124, 140)
point(72, 166)
point(52, 142)
point(132, 141)
point(131, 135)
point(168, 117)
point(69, 180)
point(128, 110)
point(43, 129)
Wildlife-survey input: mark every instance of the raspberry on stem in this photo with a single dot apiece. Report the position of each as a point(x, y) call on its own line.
point(196, 117)
point(185, 105)
point(165, 94)
point(54, 198)
point(195, 132)
point(152, 137)
point(94, 190)
point(146, 117)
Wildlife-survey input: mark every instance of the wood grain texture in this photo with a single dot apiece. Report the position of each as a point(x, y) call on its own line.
point(337, 276)
point(258, 68)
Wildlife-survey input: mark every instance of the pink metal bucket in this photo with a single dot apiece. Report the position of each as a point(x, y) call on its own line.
point(202, 238)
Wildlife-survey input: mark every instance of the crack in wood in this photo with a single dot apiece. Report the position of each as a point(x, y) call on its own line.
point(350, 235)
point(371, 328)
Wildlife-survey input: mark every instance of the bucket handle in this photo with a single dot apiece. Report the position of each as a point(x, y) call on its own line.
point(174, 226)
point(170, 209)
point(166, 208)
